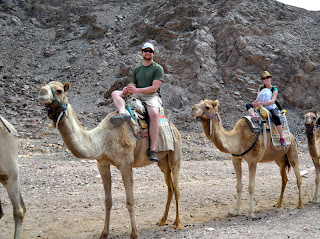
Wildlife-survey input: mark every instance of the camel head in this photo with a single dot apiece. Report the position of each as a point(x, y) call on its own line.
point(310, 122)
point(206, 109)
point(54, 96)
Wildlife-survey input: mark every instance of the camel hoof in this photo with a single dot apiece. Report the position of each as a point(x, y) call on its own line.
point(234, 214)
point(134, 236)
point(277, 205)
point(252, 216)
point(162, 223)
point(103, 236)
point(177, 226)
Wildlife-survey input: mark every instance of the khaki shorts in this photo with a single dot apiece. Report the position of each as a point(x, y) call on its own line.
point(151, 100)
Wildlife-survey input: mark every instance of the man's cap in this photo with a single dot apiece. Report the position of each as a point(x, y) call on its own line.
point(265, 74)
point(147, 45)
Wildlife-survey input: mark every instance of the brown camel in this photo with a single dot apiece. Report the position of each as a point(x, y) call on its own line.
point(238, 141)
point(110, 145)
point(9, 173)
point(313, 135)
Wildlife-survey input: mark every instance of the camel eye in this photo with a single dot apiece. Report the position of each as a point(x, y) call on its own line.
point(59, 91)
point(207, 108)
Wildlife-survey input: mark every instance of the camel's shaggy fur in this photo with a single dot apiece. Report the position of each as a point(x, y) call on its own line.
point(238, 141)
point(313, 135)
point(110, 145)
point(9, 174)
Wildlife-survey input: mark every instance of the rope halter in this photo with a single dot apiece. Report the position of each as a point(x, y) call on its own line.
point(63, 107)
point(210, 117)
point(314, 125)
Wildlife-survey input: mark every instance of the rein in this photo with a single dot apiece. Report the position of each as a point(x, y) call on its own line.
point(210, 117)
point(63, 107)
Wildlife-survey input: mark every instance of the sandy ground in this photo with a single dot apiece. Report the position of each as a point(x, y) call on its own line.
point(65, 198)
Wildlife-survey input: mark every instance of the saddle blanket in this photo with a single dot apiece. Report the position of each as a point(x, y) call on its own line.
point(274, 132)
point(165, 138)
point(273, 129)
point(137, 111)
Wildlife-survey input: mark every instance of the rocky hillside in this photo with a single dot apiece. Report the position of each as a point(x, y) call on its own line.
point(209, 49)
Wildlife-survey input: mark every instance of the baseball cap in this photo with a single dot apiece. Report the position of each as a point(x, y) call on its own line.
point(147, 45)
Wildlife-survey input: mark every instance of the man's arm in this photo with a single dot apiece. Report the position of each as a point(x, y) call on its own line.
point(147, 90)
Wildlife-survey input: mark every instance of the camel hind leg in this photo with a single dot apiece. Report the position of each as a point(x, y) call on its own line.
point(294, 161)
point(171, 171)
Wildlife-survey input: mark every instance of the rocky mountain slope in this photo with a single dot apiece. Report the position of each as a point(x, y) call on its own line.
point(209, 49)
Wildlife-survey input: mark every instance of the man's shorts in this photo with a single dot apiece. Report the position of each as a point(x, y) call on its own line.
point(151, 100)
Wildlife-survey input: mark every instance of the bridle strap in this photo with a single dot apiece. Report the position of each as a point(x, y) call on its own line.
point(63, 107)
point(210, 117)
point(314, 126)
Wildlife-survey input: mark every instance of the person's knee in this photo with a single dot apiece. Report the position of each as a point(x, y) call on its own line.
point(115, 94)
point(153, 113)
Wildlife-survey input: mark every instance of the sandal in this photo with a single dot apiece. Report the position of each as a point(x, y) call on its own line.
point(283, 142)
point(255, 118)
point(153, 156)
point(119, 119)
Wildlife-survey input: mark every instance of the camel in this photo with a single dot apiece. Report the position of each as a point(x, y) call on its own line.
point(313, 135)
point(238, 141)
point(110, 145)
point(9, 173)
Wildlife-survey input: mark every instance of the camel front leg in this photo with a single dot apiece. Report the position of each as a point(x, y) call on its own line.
point(284, 181)
point(127, 177)
point(104, 169)
point(238, 170)
point(317, 168)
point(19, 209)
point(252, 183)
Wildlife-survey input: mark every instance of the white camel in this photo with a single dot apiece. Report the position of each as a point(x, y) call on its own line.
point(9, 173)
point(110, 145)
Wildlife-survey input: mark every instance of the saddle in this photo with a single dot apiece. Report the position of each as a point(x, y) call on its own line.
point(140, 123)
point(267, 124)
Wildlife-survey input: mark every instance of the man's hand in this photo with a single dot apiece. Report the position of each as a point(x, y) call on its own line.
point(131, 88)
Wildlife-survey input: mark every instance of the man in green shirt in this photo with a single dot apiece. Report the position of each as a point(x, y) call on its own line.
point(146, 81)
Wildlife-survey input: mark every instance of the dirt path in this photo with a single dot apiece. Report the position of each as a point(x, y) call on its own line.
point(64, 197)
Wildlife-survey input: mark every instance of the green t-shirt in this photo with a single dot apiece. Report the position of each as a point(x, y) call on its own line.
point(143, 76)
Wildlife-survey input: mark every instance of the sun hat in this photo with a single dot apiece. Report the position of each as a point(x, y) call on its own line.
point(265, 74)
point(147, 45)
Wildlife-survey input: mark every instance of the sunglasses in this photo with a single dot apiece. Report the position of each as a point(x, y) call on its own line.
point(267, 77)
point(145, 50)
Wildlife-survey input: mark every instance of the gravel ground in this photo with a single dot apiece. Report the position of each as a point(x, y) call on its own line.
point(64, 196)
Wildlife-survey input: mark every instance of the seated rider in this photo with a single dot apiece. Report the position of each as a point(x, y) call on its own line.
point(268, 103)
point(146, 81)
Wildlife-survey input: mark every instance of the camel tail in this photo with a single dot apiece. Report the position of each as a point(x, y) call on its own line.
point(288, 165)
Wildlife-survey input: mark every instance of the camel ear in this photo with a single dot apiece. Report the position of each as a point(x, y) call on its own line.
point(66, 86)
point(215, 103)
